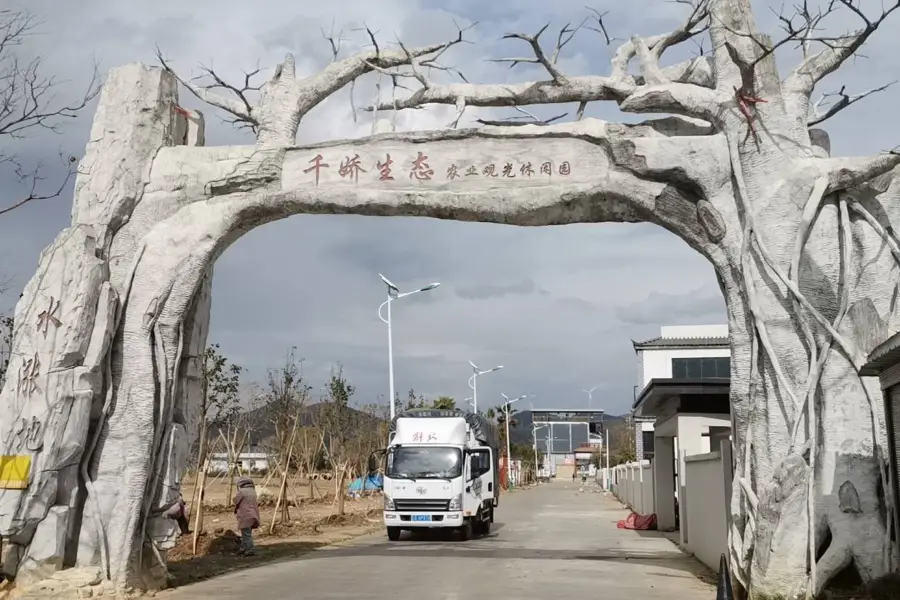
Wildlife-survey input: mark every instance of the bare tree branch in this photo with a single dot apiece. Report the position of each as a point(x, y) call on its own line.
point(284, 99)
point(562, 88)
point(27, 104)
point(799, 27)
point(241, 108)
point(849, 172)
point(340, 73)
point(601, 26)
point(335, 41)
point(844, 101)
point(588, 88)
point(34, 178)
point(816, 67)
point(527, 119)
point(540, 57)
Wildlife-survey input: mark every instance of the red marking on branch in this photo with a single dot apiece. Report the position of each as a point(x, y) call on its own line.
point(182, 111)
point(747, 102)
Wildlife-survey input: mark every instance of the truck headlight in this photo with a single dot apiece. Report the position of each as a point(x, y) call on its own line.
point(388, 503)
point(455, 503)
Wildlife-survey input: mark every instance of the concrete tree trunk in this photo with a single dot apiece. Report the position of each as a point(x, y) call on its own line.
point(104, 383)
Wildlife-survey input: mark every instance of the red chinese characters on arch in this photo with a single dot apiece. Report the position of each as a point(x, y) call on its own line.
point(424, 167)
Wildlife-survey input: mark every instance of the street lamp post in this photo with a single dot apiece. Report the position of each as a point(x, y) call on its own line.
point(508, 445)
point(590, 393)
point(534, 428)
point(395, 294)
point(473, 382)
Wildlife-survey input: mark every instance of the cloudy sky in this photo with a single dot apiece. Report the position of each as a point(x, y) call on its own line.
point(557, 306)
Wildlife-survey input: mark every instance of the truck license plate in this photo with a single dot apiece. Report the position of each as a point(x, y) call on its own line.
point(421, 517)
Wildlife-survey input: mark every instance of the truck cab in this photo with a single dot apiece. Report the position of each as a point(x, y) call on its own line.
point(438, 474)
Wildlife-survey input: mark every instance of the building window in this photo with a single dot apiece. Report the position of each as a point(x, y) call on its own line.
point(701, 368)
point(647, 444)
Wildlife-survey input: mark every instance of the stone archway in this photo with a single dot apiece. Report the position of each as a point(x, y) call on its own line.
point(110, 330)
point(130, 304)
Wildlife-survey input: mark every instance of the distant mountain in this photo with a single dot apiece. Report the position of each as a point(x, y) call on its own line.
point(261, 422)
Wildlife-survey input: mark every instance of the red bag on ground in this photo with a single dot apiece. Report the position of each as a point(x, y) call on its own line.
point(639, 522)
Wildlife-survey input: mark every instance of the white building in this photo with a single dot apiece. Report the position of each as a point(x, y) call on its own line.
point(683, 408)
point(245, 462)
point(595, 440)
point(686, 352)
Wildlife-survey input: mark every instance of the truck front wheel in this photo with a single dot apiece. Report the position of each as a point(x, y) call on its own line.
point(393, 533)
point(467, 530)
point(485, 527)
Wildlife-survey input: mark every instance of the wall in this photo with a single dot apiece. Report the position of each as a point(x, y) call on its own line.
point(706, 506)
point(632, 484)
point(657, 364)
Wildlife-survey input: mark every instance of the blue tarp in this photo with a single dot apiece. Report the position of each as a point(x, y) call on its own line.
point(366, 484)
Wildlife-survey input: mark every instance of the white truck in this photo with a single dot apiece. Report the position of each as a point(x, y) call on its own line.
point(441, 470)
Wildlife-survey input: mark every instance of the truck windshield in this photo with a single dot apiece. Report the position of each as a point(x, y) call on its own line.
point(424, 462)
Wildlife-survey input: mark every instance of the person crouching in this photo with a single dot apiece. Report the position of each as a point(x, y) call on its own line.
point(246, 511)
point(178, 513)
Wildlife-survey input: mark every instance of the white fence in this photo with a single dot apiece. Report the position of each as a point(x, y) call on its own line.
point(632, 484)
point(706, 494)
point(703, 493)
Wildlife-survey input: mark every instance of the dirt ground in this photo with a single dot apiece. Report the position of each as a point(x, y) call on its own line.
point(313, 524)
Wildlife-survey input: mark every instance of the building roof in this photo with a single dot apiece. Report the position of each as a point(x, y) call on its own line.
point(659, 391)
point(661, 343)
point(885, 355)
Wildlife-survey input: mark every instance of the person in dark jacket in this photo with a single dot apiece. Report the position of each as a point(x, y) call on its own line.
point(246, 511)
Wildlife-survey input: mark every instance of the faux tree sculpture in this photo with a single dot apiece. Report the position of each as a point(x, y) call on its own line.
point(803, 245)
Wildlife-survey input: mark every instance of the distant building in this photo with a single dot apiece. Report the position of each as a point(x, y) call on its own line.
point(245, 462)
point(595, 440)
point(559, 432)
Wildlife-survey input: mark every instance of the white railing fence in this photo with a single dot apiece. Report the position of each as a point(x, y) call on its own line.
point(632, 484)
point(707, 492)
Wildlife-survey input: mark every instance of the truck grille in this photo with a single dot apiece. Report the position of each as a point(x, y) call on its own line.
point(421, 505)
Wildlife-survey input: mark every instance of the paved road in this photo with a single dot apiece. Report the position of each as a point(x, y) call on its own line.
point(547, 542)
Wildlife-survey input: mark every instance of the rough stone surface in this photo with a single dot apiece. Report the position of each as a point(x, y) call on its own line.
point(47, 548)
point(71, 584)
